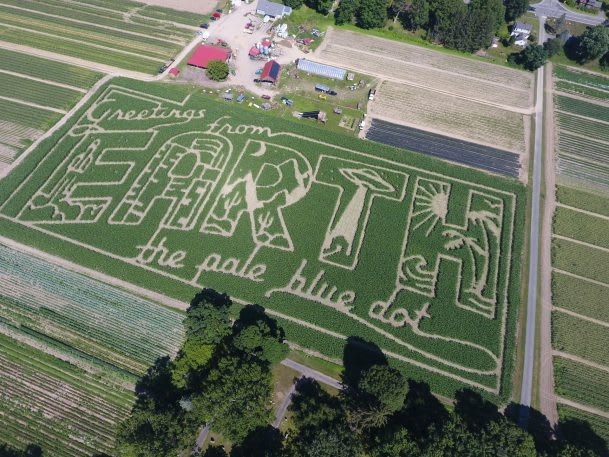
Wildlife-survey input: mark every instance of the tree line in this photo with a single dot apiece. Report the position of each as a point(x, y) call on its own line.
point(453, 23)
point(221, 377)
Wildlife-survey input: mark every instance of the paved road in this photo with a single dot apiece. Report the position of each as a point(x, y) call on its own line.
point(283, 408)
point(311, 373)
point(529, 348)
point(201, 438)
point(553, 8)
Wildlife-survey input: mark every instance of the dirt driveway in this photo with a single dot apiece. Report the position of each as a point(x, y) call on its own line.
point(230, 29)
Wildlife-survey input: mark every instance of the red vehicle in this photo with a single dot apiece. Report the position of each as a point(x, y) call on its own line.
point(266, 97)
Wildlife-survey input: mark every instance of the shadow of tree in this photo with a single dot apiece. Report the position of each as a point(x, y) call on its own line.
point(261, 442)
point(475, 411)
point(358, 356)
point(421, 410)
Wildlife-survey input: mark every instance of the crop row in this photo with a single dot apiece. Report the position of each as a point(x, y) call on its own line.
point(581, 260)
point(578, 89)
point(582, 423)
point(102, 319)
point(103, 18)
point(583, 170)
point(579, 296)
point(580, 77)
point(28, 116)
point(451, 115)
point(116, 40)
point(81, 50)
point(37, 92)
point(582, 338)
point(582, 108)
point(50, 70)
point(428, 77)
point(582, 227)
point(582, 199)
point(63, 405)
point(456, 65)
point(581, 383)
point(589, 149)
point(585, 127)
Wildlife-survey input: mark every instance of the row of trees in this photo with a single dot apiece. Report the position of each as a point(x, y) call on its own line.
point(222, 377)
point(453, 23)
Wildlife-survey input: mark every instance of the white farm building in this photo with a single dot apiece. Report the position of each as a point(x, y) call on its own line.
point(272, 9)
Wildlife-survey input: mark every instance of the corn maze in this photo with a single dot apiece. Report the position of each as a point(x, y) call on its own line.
point(172, 191)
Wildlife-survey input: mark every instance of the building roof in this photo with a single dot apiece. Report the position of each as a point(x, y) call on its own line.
point(271, 71)
point(174, 71)
point(273, 9)
point(523, 26)
point(254, 51)
point(204, 53)
point(321, 69)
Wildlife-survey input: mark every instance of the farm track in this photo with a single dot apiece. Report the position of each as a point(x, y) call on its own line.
point(581, 360)
point(45, 81)
point(582, 407)
point(579, 316)
point(546, 367)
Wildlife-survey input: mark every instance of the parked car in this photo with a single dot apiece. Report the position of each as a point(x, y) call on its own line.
point(287, 101)
point(332, 92)
point(321, 88)
point(205, 25)
point(371, 94)
point(266, 97)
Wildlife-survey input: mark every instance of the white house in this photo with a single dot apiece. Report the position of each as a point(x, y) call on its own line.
point(521, 32)
point(272, 9)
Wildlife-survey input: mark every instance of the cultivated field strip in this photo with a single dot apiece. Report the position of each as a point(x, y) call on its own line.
point(582, 127)
point(449, 115)
point(399, 68)
point(582, 383)
point(68, 410)
point(30, 105)
point(129, 39)
point(459, 66)
point(580, 316)
point(97, 319)
point(598, 424)
point(49, 70)
point(471, 154)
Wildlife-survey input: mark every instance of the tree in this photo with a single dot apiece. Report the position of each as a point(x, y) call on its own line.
point(336, 441)
point(593, 43)
point(217, 70)
point(346, 11)
point(235, 396)
point(417, 15)
point(379, 393)
point(207, 321)
point(191, 358)
point(502, 437)
point(255, 334)
point(150, 433)
point(294, 4)
point(395, 442)
point(604, 62)
point(31, 450)
point(396, 8)
point(372, 14)
point(515, 9)
point(553, 46)
point(532, 57)
point(215, 451)
point(321, 6)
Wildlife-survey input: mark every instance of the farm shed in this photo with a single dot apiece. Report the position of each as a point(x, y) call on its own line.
point(174, 72)
point(272, 9)
point(204, 53)
point(320, 69)
point(270, 72)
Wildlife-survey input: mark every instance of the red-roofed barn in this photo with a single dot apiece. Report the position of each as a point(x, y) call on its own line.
point(204, 53)
point(270, 72)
